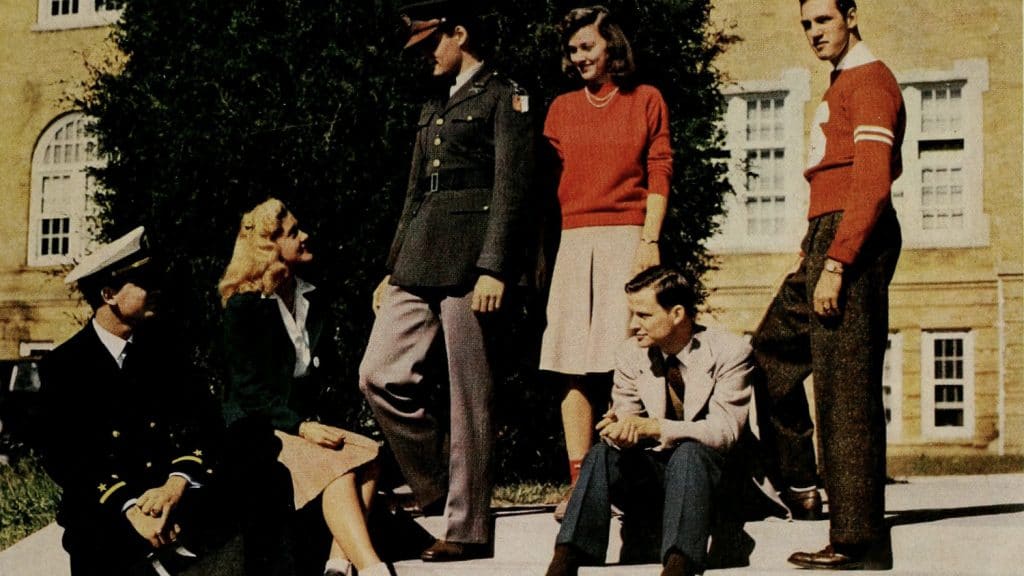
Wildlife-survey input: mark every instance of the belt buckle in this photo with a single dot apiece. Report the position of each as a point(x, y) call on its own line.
point(433, 182)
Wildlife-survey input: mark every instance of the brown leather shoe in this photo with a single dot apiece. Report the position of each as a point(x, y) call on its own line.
point(565, 562)
point(803, 504)
point(677, 564)
point(444, 551)
point(873, 556)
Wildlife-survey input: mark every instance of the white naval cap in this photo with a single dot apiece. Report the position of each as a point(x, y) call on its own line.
point(125, 253)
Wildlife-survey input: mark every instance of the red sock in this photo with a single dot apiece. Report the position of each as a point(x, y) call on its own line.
point(574, 471)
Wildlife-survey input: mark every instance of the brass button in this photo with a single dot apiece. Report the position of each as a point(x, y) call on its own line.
point(436, 162)
point(439, 121)
point(437, 141)
point(116, 434)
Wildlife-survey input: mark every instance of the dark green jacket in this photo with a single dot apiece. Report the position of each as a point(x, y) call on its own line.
point(261, 359)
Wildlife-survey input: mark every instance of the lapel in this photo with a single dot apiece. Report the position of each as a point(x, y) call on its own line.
point(697, 373)
point(471, 89)
point(652, 384)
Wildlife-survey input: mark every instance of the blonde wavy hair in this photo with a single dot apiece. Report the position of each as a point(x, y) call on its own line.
point(256, 264)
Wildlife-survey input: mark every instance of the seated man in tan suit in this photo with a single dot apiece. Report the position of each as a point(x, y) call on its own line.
point(679, 404)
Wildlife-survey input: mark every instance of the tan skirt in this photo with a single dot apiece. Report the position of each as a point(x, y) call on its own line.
point(587, 313)
point(313, 467)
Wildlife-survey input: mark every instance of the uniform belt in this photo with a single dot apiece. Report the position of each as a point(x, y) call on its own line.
point(456, 180)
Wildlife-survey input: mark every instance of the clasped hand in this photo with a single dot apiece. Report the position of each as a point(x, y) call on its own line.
point(149, 516)
point(629, 431)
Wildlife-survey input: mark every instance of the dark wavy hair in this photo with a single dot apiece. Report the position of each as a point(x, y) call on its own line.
point(620, 54)
point(843, 6)
point(671, 288)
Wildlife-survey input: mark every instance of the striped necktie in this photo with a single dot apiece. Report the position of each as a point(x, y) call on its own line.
point(676, 387)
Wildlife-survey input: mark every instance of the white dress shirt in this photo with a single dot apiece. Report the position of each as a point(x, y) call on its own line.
point(295, 325)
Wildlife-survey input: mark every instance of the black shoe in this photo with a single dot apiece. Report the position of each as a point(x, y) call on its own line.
point(803, 504)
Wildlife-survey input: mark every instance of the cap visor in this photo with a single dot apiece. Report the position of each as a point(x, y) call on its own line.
point(419, 36)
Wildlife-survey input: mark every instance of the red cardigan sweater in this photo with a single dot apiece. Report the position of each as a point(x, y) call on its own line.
point(855, 149)
point(612, 157)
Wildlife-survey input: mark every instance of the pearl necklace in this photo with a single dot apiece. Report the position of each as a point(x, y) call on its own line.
point(600, 101)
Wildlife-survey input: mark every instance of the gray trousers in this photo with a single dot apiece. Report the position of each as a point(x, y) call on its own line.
point(667, 500)
point(845, 354)
point(391, 377)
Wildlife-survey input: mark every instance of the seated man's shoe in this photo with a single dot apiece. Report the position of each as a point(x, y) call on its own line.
point(677, 564)
point(444, 551)
point(845, 558)
point(803, 504)
point(566, 561)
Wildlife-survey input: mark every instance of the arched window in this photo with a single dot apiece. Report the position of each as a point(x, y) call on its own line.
point(61, 191)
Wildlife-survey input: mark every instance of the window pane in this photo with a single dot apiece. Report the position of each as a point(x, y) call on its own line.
point(949, 385)
point(942, 194)
point(949, 418)
point(764, 119)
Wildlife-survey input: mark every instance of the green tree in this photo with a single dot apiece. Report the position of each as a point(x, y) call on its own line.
point(215, 105)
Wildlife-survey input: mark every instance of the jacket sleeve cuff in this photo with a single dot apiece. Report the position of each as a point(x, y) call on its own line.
point(658, 183)
point(114, 494)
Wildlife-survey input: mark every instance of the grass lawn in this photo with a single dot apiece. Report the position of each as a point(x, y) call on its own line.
point(28, 500)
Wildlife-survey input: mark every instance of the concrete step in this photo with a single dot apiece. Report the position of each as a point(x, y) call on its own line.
point(963, 525)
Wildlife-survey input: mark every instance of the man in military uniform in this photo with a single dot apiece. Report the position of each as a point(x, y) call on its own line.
point(452, 258)
point(125, 433)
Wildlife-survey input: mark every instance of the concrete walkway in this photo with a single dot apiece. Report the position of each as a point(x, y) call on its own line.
point(956, 525)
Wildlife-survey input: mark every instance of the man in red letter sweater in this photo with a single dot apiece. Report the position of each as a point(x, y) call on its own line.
point(831, 316)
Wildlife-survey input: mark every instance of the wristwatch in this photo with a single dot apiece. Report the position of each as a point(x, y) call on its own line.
point(833, 266)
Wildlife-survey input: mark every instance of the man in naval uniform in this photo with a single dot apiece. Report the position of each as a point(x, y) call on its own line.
point(126, 433)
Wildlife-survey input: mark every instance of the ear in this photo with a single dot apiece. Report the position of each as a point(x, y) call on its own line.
point(851, 18)
point(461, 35)
point(678, 314)
point(108, 293)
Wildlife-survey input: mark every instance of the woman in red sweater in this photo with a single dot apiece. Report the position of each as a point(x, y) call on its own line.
point(612, 139)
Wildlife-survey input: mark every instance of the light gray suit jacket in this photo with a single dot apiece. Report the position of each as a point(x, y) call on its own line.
point(718, 373)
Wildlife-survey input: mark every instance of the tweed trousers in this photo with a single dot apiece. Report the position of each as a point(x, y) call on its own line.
point(845, 355)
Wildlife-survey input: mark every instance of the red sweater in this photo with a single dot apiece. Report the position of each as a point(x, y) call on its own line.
point(855, 149)
point(612, 157)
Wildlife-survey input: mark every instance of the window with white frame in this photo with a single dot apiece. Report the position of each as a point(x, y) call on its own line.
point(947, 384)
point(892, 387)
point(66, 14)
point(765, 137)
point(939, 196)
point(61, 191)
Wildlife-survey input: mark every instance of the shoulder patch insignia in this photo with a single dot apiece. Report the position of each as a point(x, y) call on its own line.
point(520, 102)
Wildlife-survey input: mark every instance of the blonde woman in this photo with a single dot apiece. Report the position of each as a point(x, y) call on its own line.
point(274, 325)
